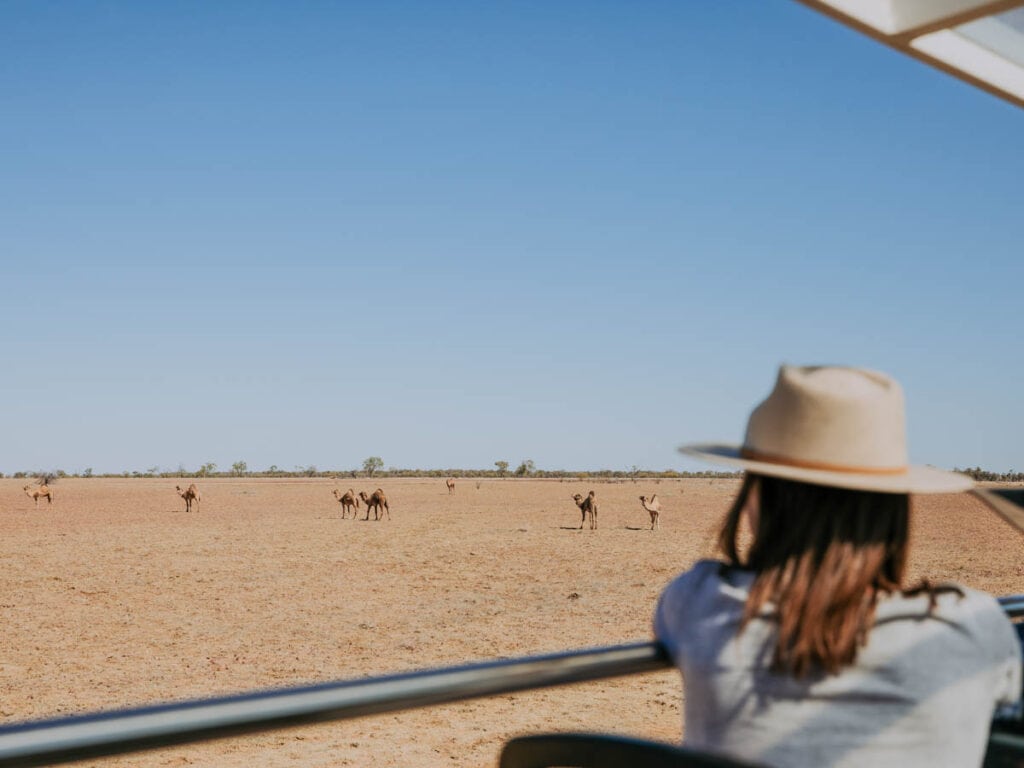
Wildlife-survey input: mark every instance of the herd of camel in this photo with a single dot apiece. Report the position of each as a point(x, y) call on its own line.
point(588, 509)
point(588, 505)
point(377, 502)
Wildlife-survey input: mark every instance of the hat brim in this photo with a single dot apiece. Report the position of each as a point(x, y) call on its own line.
point(916, 479)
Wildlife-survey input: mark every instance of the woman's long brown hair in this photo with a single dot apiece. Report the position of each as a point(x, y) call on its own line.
point(821, 557)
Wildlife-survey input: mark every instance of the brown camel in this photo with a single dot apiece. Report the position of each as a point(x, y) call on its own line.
point(348, 501)
point(450, 482)
point(375, 502)
point(190, 494)
point(587, 506)
point(35, 492)
point(654, 508)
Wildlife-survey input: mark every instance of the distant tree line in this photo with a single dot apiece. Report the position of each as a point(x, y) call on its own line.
point(374, 467)
point(977, 473)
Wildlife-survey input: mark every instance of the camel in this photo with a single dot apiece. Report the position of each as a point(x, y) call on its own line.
point(587, 506)
point(654, 507)
point(450, 482)
point(190, 494)
point(375, 502)
point(348, 501)
point(36, 492)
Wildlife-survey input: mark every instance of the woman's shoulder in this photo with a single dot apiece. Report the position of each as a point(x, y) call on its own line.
point(946, 600)
point(689, 597)
point(974, 613)
point(698, 575)
point(706, 583)
point(973, 608)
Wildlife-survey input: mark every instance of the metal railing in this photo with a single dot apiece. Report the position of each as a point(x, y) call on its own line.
point(48, 742)
point(79, 737)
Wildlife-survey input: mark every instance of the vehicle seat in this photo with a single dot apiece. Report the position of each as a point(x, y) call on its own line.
point(592, 750)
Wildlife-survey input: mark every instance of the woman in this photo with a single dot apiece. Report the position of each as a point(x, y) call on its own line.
point(804, 646)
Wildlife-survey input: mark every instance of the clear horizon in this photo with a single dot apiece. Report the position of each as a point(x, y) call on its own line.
point(304, 234)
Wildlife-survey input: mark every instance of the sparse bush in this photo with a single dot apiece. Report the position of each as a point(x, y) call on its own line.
point(526, 468)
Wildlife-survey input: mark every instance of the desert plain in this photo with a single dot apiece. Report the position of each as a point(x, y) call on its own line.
point(114, 596)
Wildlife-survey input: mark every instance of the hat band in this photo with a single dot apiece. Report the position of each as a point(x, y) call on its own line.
point(768, 458)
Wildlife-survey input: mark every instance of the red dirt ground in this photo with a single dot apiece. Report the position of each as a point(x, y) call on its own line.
point(114, 596)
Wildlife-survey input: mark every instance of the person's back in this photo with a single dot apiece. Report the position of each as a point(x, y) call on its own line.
point(924, 675)
point(804, 646)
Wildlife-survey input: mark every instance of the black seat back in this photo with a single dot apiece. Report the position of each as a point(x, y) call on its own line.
point(591, 750)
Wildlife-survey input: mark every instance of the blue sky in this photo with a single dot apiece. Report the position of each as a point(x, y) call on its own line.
point(454, 233)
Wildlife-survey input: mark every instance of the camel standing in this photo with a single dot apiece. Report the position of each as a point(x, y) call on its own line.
point(450, 482)
point(654, 508)
point(587, 506)
point(36, 492)
point(190, 494)
point(375, 502)
point(348, 501)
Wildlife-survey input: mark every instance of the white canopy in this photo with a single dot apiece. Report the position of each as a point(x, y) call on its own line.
point(979, 41)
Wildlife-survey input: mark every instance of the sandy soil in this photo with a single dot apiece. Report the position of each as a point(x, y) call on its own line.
point(114, 596)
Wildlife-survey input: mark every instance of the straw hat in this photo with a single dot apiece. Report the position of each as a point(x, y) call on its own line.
point(836, 426)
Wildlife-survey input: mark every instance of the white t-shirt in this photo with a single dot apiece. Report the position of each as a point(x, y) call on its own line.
point(921, 693)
